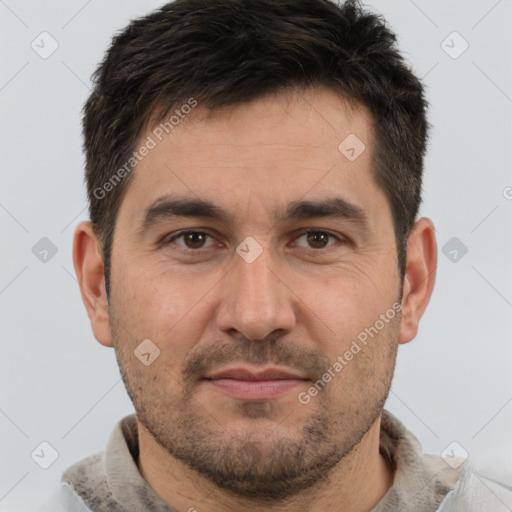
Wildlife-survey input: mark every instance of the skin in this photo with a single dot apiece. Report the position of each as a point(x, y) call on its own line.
point(298, 305)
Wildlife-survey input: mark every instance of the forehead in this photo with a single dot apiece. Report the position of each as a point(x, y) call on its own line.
point(270, 151)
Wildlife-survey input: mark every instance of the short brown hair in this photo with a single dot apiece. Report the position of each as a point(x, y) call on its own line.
point(227, 52)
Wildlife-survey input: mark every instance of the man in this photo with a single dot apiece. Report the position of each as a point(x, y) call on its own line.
point(254, 257)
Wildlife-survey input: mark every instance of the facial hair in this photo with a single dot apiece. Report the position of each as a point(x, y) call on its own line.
point(267, 463)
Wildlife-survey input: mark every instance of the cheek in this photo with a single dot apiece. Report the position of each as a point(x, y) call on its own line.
point(349, 298)
point(147, 305)
point(348, 304)
point(172, 311)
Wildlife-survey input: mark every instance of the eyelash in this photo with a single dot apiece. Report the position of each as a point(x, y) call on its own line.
point(165, 242)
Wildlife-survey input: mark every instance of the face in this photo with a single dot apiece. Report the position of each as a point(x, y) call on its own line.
point(286, 258)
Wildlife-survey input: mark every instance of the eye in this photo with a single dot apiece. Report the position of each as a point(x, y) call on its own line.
point(318, 239)
point(192, 239)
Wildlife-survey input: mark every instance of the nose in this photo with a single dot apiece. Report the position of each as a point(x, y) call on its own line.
point(256, 300)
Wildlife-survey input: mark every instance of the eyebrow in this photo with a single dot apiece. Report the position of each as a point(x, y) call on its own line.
point(168, 207)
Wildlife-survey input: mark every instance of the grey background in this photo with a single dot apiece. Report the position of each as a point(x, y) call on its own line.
point(452, 383)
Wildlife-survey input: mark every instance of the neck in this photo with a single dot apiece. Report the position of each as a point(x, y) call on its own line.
point(357, 483)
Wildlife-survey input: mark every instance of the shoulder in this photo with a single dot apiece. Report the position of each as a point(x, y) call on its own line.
point(79, 487)
point(85, 485)
point(482, 486)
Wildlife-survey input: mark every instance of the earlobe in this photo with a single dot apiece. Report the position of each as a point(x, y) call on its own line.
point(419, 279)
point(89, 270)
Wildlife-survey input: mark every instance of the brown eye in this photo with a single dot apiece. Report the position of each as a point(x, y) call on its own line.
point(194, 240)
point(317, 239)
point(191, 239)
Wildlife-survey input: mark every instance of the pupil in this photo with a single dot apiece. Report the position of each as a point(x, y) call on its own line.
point(313, 238)
point(194, 243)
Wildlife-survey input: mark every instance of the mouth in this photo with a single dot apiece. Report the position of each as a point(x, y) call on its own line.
point(247, 384)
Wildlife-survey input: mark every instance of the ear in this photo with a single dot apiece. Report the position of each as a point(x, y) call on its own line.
point(419, 279)
point(89, 269)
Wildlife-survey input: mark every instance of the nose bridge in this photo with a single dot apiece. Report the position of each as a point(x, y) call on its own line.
point(255, 301)
point(256, 278)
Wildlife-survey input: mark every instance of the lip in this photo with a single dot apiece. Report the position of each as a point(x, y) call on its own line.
point(240, 373)
point(248, 384)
